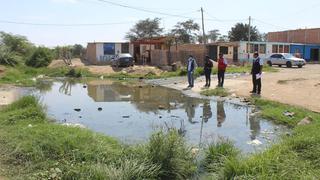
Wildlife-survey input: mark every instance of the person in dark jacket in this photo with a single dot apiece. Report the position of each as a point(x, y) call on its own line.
point(208, 64)
point(222, 66)
point(256, 72)
point(191, 66)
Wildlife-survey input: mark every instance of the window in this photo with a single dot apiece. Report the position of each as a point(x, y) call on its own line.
point(280, 48)
point(125, 48)
point(223, 49)
point(262, 49)
point(109, 48)
point(273, 56)
point(256, 47)
point(286, 49)
point(157, 46)
point(274, 48)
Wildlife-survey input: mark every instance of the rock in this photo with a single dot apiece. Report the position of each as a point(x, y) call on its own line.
point(161, 107)
point(100, 109)
point(140, 86)
point(34, 79)
point(305, 121)
point(141, 78)
point(233, 95)
point(77, 109)
point(175, 83)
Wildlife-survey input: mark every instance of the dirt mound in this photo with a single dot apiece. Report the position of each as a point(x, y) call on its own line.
point(60, 63)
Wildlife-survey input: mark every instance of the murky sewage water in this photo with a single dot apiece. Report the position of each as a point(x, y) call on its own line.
point(131, 112)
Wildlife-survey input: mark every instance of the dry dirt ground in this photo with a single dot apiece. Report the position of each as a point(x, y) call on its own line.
point(300, 87)
point(108, 69)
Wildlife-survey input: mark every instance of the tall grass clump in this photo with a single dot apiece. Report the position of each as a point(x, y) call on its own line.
point(170, 152)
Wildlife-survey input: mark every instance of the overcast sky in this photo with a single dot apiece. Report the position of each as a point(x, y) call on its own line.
point(268, 15)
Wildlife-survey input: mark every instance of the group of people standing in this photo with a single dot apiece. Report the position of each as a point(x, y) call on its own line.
point(256, 71)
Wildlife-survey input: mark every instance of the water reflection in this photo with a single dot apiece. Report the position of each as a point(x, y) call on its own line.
point(132, 111)
point(221, 115)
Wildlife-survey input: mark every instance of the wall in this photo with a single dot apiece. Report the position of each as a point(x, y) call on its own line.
point(91, 53)
point(308, 36)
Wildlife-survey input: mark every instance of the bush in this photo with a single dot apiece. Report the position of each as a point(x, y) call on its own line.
point(41, 57)
point(7, 57)
point(74, 73)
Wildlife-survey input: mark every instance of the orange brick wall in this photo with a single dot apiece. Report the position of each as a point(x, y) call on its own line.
point(308, 36)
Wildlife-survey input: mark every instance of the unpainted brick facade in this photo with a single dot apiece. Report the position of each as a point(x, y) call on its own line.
point(304, 36)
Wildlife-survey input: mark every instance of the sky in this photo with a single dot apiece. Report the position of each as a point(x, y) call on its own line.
point(64, 22)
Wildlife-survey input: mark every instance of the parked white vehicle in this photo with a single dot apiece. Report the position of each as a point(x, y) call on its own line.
point(285, 59)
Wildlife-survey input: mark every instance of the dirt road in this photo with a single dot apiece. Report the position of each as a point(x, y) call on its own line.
point(300, 87)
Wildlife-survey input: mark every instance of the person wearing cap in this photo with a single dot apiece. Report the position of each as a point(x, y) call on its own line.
point(256, 72)
point(208, 64)
point(222, 66)
point(191, 66)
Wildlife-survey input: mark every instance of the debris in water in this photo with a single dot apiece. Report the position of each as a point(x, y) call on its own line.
point(74, 125)
point(80, 117)
point(305, 121)
point(140, 86)
point(126, 117)
point(84, 86)
point(288, 114)
point(77, 109)
point(255, 142)
point(175, 83)
point(101, 77)
point(161, 107)
point(160, 117)
point(100, 109)
point(141, 78)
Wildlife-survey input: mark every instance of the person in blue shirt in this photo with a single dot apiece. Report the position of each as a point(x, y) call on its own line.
point(191, 66)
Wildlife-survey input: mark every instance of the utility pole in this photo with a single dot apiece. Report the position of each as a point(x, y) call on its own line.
point(204, 33)
point(249, 38)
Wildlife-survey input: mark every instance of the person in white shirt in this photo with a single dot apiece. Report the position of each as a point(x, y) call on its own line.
point(191, 66)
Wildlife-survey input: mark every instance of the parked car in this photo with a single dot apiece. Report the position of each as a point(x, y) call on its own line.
point(285, 59)
point(123, 60)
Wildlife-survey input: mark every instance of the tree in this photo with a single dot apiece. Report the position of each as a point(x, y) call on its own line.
point(223, 38)
point(240, 33)
point(41, 57)
point(213, 35)
point(145, 29)
point(15, 43)
point(77, 50)
point(7, 57)
point(185, 31)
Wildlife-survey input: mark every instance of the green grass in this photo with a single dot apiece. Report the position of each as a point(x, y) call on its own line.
point(296, 157)
point(222, 92)
point(31, 147)
point(22, 75)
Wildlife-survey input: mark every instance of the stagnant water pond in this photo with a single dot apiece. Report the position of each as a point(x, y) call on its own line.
point(132, 111)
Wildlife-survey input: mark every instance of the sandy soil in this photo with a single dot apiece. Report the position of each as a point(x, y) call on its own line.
point(108, 69)
point(300, 87)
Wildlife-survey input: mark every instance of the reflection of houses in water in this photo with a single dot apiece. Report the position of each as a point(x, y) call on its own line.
point(146, 98)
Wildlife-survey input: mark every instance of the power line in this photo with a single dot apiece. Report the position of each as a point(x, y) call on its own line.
point(263, 22)
point(58, 24)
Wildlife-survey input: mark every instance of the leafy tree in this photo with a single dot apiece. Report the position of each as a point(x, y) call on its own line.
point(77, 50)
point(186, 31)
point(147, 28)
point(223, 38)
point(16, 43)
point(213, 35)
point(7, 57)
point(41, 57)
point(240, 33)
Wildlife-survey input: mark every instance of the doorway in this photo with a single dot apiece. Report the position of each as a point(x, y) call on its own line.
point(235, 54)
point(213, 50)
point(315, 54)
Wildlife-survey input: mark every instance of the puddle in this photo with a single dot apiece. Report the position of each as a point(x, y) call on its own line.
point(9, 94)
point(132, 111)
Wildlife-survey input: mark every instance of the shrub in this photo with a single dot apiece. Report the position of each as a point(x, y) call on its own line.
point(41, 57)
point(74, 73)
